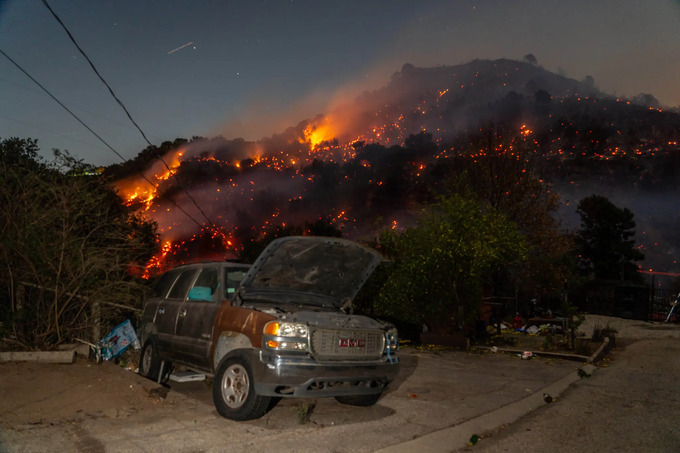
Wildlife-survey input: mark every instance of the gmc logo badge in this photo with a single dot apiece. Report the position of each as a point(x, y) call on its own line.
point(351, 343)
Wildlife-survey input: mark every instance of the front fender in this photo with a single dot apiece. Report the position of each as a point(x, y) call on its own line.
point(236, 328)
point(228, 342)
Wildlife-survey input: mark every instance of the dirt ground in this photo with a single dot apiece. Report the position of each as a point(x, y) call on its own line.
point(41, 396)
point(85, 390)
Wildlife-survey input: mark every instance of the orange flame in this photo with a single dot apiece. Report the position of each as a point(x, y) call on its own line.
point(315, 134)
point(137, 190)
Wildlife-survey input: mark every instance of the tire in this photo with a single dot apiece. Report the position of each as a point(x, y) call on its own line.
point(149, 361)
point(359, 400)
point(234, 391)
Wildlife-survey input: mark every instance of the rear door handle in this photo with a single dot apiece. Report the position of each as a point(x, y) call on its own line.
point(161, 311)
point(182, 313)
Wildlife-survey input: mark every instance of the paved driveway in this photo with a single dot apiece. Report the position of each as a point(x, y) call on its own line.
point(435, 390)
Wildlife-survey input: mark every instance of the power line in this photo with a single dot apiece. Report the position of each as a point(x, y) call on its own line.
point(81, 109)
point(33, 126)
point(96, 71)
point(96, 135)
point(82, 52)
point(61, 104)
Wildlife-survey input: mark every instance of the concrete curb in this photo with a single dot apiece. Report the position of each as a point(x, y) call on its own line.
point(458, 436)
point(39, 356)
point(555, 355)
point(597, 355)
point(601, 351)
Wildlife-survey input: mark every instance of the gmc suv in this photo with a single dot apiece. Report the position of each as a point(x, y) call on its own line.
point(283, 327)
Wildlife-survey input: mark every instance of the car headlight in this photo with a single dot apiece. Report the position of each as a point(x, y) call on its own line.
point(392, 340)
point(289, 336)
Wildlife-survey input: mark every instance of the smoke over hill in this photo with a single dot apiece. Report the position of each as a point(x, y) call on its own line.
point(370, 162)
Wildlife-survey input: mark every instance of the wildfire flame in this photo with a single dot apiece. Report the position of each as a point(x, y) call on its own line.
point(331, 138)
point(139, 191)
point(318, 133)
point(316, 142)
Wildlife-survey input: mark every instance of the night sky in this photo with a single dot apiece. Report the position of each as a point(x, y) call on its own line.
point(252, 68)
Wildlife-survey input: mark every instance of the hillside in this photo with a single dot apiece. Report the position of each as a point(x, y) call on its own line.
point(369, 163)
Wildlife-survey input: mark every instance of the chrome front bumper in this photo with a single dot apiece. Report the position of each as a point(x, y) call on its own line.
point(301, 376)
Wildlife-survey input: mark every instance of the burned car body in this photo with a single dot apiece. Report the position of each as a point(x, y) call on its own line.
point(284, 330)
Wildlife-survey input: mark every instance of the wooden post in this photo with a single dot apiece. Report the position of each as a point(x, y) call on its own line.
point(96, 321)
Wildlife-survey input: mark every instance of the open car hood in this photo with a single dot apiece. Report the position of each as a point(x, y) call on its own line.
point(309, 270)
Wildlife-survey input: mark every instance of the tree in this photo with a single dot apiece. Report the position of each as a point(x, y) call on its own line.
point(531, 59)
point(605, 245)
point(589, 82)
point(496, 166)
point(441, 265)
point(68, 246)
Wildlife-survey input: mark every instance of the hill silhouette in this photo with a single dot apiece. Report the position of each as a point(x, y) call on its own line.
point(370, 162)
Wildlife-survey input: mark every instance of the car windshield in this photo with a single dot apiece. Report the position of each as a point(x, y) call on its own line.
point(232, 279)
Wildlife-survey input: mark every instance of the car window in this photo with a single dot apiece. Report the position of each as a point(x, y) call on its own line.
point(205, 286)
point(232, 278)
point(179, 289)
point(162, 285)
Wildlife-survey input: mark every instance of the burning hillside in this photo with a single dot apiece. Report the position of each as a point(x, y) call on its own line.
point(367, 165)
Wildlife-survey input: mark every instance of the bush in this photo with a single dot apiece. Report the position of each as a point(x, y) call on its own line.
point(600, 333)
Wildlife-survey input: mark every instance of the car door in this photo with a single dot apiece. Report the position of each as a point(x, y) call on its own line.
point(168, 311)
point(159, 291)
point(196, 316)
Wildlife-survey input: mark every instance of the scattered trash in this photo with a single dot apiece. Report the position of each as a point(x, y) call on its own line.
point(494, 349)
point(583, 374)
point(115, 343)
point(413, 395)
point(473, 439)
point(547, 398)
point(517, 322)
point(526, 355)
point(532, 330)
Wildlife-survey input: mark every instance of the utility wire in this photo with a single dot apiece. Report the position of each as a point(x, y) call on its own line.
point(61, 104)
point(82, 52)
point(95, 134)
point(96, 71)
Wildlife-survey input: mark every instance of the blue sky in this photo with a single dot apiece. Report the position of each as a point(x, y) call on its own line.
point(251, 68)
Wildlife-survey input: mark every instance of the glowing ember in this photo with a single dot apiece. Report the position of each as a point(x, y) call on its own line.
point(263, 185)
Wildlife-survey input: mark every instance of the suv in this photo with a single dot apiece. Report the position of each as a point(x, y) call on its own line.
point(282, 327)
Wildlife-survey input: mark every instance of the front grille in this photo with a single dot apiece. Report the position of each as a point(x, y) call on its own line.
point(332, 344)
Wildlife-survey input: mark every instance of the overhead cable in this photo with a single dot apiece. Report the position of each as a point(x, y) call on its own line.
point(95, 134)
point(82, 52)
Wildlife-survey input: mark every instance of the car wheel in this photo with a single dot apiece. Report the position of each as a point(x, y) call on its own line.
point(234, 391)
point(150, 362)
point(359, 400)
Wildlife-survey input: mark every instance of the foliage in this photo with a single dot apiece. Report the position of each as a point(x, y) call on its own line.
point(303, 411)
point(600, 333)
point(605, 241)
point(495, 165)
point(68, 245)
point(441, 265)
point(574, 317)
point(143, 160)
